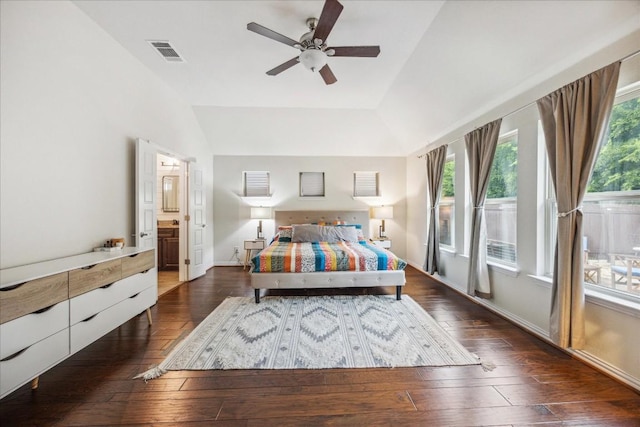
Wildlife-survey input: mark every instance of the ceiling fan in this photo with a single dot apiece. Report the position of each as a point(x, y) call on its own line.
point(313, 44)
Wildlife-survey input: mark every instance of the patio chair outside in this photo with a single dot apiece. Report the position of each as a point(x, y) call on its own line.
point(625, 269)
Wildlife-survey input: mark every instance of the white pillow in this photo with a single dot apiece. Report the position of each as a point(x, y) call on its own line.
point(342, 234)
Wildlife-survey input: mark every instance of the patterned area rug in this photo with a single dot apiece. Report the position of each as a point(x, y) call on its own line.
point(314, 333)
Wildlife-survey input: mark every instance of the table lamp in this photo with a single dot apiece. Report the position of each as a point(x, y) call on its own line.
point(260, 213)
point(382, 212)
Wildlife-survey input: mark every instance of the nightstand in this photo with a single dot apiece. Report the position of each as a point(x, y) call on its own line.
point(252, 245)
point(383, 243)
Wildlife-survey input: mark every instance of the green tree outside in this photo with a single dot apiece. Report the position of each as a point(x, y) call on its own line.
point(618, 164)
point(448, 188)
point(503, 180)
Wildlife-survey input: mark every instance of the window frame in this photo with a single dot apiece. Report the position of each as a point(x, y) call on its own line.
point(513, 134)
point(368, 180)
point(312, 184)
point(260, 190)
point(451, 202)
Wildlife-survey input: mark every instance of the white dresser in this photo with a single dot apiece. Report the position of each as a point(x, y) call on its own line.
point(52, 309)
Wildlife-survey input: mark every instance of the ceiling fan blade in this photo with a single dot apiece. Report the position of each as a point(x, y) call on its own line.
point(327, 75)
point(360, 51)
point(264, 31)
point(282, 67)
point(328, 18)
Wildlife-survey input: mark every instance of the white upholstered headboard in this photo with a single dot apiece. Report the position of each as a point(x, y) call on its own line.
point(306, 217)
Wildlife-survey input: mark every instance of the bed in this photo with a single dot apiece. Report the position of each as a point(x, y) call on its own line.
point(324, 249)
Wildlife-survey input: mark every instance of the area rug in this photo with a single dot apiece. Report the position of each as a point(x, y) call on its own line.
point(316, 332)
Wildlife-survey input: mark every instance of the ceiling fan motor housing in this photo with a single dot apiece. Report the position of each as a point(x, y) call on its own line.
point(307, 39)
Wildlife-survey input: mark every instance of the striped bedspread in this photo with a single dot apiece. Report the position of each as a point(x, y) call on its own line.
point(286, 257)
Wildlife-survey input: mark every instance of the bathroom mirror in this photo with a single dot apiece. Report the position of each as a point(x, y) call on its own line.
point(170, 193)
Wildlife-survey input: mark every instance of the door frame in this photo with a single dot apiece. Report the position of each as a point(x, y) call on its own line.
point(183, 273)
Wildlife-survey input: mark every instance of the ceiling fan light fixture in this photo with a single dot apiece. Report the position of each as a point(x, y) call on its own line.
point(313, 59)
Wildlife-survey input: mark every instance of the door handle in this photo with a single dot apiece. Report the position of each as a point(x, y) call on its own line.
point(143, 234)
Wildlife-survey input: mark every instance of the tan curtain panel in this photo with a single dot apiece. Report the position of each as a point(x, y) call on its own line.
point(575, 120)
point(481, 147)
point(435, 160)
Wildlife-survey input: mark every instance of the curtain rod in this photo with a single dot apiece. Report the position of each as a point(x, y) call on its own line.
point(631, 55)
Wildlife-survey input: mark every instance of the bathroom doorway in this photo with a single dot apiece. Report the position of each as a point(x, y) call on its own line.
point(182, 208)
point(171, 202)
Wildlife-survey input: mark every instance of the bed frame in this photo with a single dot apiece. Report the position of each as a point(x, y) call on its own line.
point(326, 279)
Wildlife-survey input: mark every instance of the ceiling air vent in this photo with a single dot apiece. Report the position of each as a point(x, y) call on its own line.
point(167, 51)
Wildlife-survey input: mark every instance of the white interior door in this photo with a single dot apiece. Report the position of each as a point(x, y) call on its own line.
point(146, 177)
point(197, 221)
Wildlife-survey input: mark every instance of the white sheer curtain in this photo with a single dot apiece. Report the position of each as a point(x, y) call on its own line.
point(481, 147)
point(575, 120)
point(435, 160)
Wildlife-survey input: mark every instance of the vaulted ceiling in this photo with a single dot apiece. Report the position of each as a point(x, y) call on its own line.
point(442, 63)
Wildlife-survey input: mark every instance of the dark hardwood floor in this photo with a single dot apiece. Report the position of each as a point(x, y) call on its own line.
point(533, 383)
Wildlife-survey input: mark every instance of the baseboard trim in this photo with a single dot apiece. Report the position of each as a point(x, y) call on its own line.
point(581, 355)
point(606, 368)
point(227, 264)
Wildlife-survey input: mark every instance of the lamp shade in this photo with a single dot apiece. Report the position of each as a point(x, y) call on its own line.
point(260, 213)
point(383, 212)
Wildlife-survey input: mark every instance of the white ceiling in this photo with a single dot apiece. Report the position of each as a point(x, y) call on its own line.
point(441, 64)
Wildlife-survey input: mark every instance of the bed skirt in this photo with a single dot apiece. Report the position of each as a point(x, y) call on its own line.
point(328, 279)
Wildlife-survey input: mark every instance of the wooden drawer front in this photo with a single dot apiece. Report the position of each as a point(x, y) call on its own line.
point(254, 244)
point(168, 232)
point(19, 300)
point(86, 332)
point(89, 278)
point(86, 305)
point(27, 330)
point(33, 361)
point(137, 263)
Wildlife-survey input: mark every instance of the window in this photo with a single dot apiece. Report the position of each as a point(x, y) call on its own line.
point(447, 204)
point(550, 209)
point(311, 184)
point(500, 209)
point(366, 184)
point(256, 184)
point(611, 208)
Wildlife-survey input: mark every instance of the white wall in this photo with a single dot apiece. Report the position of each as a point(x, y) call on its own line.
point(73, 102)
point(232, 212)
point(522, 296)
point(263, 131)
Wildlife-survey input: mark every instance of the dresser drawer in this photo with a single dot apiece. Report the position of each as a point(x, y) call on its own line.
point(168, 232)
point(86, 305)
point(138, 263)
point(27, 330)
point(25, 298)
point(34, 360)
point(254, 244)
point(85, 332)
point(93, 276)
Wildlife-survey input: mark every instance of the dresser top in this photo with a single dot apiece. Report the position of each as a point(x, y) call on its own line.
point(16, 275)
